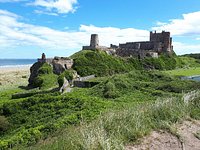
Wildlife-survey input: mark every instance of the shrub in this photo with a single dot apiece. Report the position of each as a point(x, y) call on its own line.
point(37, 82)
point(45, 78)
point(68, 74)
point(60, 80)
point(45, 81)
point(110, 90)
point(45, 69)
point(4, 124)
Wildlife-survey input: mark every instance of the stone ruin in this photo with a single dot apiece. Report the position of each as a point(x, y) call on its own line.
point(94, 45)
point(59, 64)
point(159, 43)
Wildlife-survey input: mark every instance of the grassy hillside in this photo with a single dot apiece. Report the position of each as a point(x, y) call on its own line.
point(40, 114)
point(196, 56)
point(99, 63)
point(32, 115)
point(89, 62)
point(185, 72)
point(119, 128)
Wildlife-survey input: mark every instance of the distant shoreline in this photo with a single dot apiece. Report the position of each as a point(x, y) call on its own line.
point(13, 63)
point(14, 68)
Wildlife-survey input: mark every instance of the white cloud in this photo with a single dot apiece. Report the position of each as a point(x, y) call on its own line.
point(9, 1)
point(46, 13)
point(182, 48)
point(15, 33)
point(57, 6)
point(188, 25)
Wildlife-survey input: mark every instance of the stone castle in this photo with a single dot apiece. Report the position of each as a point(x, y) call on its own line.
point(159, 43)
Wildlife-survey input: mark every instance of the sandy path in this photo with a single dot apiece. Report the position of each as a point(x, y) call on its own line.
point(166, 141)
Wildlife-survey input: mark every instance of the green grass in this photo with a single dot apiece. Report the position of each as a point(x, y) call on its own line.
point(129, 97)
point(185, 72)
point(116, 129)
point(41, 114)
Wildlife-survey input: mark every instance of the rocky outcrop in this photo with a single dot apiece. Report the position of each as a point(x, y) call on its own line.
point(65, 87)
point(59, 64)
point(34, 72)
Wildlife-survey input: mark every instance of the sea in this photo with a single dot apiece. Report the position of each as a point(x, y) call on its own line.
point(16, 62)
point(195, 78)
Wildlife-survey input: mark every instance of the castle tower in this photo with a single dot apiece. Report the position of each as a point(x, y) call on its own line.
point(162, 41)
point(94, 42)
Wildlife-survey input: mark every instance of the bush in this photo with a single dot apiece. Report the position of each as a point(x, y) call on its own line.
point(68, 74)
point(110, 91)
point(4, 124)
point(37, 82)
point(60, 80)
point(45, 81)
point(45, 69)
point(45, 78)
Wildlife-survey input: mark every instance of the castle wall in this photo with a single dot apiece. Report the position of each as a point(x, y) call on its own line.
point(159, 43)
point(164, 38)
point(138, 45)
point(47, 60)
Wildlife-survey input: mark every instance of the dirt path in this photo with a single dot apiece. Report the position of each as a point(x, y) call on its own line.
point(189, 139)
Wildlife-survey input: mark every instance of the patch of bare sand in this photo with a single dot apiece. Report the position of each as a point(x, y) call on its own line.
point(14, 75)
point(163, 140)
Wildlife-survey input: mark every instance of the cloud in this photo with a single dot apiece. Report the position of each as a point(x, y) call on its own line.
point(188, 25)
point(15, 33)
point(11, 1)
point(182, 48)
point(56, 6)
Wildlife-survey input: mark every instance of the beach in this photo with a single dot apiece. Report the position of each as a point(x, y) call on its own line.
point(14, 76)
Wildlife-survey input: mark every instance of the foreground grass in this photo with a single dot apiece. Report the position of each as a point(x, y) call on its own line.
point(35, 115)
point(185, 72)
point(116, 129)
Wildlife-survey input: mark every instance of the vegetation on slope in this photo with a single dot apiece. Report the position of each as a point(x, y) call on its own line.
point(39, 115)
point(99, 63)
point(34, 115)
point(119, 128)
point(185, 71)
point(46, 78)
point(67, 74)
point(89, 62)
point(196, 56)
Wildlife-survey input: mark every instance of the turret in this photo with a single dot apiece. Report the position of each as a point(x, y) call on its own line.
point(94, 42)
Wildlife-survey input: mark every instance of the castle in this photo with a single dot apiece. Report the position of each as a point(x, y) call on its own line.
point(159, 43)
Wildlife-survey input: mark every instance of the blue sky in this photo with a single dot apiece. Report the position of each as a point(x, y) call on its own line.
point(61, 27)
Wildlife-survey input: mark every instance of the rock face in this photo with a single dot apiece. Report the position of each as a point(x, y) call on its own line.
point(59, 65)
point(34, 72)
point(65, 87)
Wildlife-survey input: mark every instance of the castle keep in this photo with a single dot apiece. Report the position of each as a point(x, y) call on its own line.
point(159, 43)
point(94, 44)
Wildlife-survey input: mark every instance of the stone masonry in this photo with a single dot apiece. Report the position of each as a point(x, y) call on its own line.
point(159, 43)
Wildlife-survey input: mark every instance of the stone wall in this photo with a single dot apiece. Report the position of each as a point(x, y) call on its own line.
point(138, 45)
point(59, 64)
point(159, 43)
point(84, 84)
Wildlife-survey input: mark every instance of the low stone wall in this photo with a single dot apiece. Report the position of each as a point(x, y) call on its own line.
point(84, 84)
